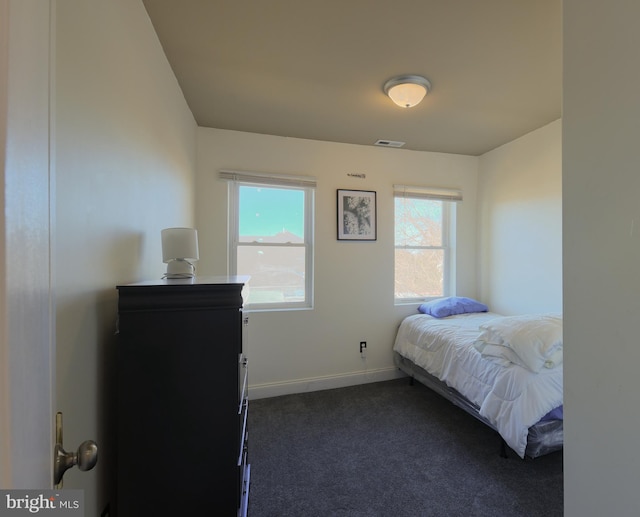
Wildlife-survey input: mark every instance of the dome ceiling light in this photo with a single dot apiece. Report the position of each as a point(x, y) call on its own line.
point(407, 90)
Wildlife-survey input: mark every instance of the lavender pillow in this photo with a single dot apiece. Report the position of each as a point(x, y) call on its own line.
point(452, 305)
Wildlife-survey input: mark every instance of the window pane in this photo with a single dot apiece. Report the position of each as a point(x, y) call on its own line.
point(271, 214)
point(419, 273)
point(277, 273)
point(418, 222)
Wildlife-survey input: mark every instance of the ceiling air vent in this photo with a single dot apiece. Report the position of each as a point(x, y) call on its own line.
point(389, 143)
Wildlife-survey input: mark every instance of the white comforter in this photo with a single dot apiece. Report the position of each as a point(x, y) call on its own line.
point(509, 396)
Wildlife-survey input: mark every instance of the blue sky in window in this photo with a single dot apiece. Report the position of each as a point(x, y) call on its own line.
point(268, 211)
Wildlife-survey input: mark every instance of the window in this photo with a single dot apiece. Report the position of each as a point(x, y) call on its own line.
point(271, 238)
point(424, 242)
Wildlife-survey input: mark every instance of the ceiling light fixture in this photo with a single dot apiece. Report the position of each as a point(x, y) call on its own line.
point(407, 90)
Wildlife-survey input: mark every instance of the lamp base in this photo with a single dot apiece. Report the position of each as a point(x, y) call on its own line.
point(180, 268)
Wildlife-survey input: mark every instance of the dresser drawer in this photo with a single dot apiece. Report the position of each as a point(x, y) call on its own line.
point(243, 430)
point(243, 381)
point(244, 469)
point(245, 476)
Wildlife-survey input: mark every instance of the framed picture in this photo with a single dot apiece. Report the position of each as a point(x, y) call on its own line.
point(356, 215)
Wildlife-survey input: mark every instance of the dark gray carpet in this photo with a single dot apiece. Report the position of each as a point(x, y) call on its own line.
point(388, 449)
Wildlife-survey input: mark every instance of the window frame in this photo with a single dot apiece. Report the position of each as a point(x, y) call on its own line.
point(307, 185)
point(448, 197)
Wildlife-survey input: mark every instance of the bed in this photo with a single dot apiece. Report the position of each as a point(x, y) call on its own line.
point(504, 370)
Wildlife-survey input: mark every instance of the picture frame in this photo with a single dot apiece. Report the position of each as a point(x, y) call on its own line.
point(357, 217)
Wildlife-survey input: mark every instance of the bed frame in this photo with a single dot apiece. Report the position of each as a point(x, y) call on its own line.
point(544, 437)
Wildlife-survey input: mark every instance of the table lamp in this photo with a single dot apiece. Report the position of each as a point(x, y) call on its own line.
point(179, 252)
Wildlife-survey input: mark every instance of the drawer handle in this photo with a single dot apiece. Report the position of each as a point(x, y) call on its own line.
point(244, 384)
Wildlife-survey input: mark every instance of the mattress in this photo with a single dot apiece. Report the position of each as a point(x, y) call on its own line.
point(507, 397)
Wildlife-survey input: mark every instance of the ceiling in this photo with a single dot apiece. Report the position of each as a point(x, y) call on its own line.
point(315, 69)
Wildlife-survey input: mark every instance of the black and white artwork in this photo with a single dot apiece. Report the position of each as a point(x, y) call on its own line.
point(356, 215)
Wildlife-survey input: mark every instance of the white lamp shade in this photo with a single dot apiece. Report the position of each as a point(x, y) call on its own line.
point(407, 95)
point(179, 244)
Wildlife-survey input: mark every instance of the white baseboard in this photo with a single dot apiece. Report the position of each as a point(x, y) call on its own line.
point(274, 389)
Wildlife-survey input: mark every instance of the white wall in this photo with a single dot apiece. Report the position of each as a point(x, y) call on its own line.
point(601, 248)
point(519, 230)
point(304, 350)
point(125, 169)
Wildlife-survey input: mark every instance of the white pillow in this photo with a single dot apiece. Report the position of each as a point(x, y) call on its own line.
point(535, 339)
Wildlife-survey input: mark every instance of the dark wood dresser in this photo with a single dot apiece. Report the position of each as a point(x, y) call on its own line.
point(182, 398)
